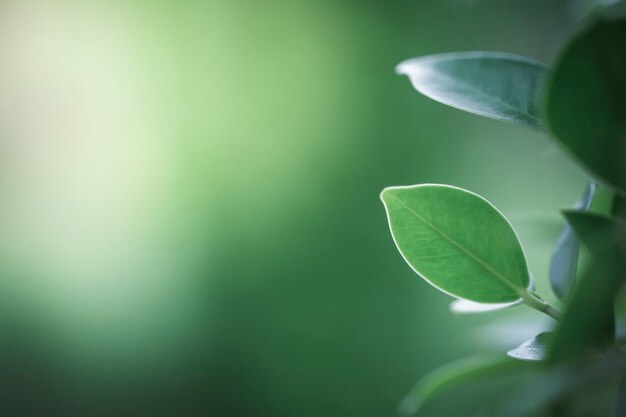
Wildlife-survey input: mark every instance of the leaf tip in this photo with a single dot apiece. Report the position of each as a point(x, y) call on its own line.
point(384, 194)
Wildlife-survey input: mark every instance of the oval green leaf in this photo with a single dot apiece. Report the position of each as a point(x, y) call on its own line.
point(535, 349)
point(586, 101)
point(564, 262)
point(493, 84)
point(458, 242)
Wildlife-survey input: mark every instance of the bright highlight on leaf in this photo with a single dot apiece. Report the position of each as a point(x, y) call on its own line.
point(458, 242)
point(469, 307)
point(461, 306)
point(493, 84)
point(535, 349)
point(564, 261)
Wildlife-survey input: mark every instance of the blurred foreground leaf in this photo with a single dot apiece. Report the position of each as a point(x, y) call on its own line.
point(458, 242)
point(586, 101)
point(492, 84)
point(453, 374)
point(564, 260)
point(589, 320)
point(561, 382)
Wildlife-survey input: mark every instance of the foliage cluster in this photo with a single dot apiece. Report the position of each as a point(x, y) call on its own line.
point(462, 245)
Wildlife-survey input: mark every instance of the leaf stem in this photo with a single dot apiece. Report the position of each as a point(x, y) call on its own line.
point(534, 301)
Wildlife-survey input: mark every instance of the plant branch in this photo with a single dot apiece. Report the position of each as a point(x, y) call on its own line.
point(538, 304)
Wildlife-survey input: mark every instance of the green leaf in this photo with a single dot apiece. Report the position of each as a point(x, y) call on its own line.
point(451, 375)
point(565, 256)
point(620, 400)
point(589, 320)
point(461, 306)
point(598, 232)
point(492, 84)
point(560, 381)
point(458, 242)
point(535, 349)
point(586, 98)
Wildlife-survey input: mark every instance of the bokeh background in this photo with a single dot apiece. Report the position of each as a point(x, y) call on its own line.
point(189, 201)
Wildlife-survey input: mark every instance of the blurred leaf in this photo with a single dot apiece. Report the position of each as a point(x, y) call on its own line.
point(615, 10)
point(535, 349)
point(558, 382)
point(586, 99)
point(564, 260)
point(583, 8)
point(492, 84)
point(458, 242)
point(618, 206)
point(620, 401)
point(589, 320)
point(451, 375)
point(598, 232)
point(469, 307)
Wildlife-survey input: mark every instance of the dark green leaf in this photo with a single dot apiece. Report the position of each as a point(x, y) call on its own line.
point(557, 382)
point(586, 101)
point(492, 84)
point(589, 322)
point(451, 375)
point(565, 256)
point(620, 401)
point(458, 242)
point(598, 232)
point(535, 349)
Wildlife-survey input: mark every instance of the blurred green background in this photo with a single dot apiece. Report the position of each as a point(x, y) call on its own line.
point(190, 215)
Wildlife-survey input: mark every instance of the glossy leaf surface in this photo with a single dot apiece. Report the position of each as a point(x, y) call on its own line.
point(492, 84)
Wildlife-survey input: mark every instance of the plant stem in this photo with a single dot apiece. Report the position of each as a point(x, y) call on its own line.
point(538, 304)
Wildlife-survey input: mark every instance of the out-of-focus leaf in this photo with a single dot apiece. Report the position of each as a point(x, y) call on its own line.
point(620, 400)
point(565, 256)
point(504, 331)
point(557, 382)
point(586, 98)
point(606, 8)
point(470, 307)
point(492, 84)
point(598, 232)
point(535, 349)
point(589, 322)
point(453, 374)
point(458, 242)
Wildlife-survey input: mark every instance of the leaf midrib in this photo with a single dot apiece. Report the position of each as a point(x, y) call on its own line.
point(483, 263)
